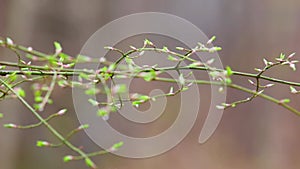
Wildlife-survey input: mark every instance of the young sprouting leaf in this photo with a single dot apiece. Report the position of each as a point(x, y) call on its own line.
point(68, 158)
point(285, 101)
point(117, 146)
point(172, 58)
point(119, 88)
point(1, 115)
point(90, 163)
point(9, 41)
point(214, 49)
point(181, 79)
point(228, 71)
point(266, 62)
point(165, 49)
point(185, 88)
point(82, 58)
point(61, 112)
point(102, 112)
point(293, 90)
point(84, 126)
point(93, 102)
point(92, 91)
point(221, 107)
point(292, 66)
point(148, 76)
point(38, 99)
point(147, 42)
point(291, 55)
point(10, 125)
point(42, 144)
point(282, 56)
point(211, 40)
point(21, 92)
point(58, 47)
point(84, 76)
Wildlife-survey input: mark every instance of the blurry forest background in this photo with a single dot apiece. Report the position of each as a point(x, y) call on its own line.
point(253, 135)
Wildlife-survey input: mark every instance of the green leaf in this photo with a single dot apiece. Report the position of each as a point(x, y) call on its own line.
point(102, 112)
point(68, 158)
point(282, 56)
point(172, 58)
point(1, 115)
point(84, 76)
point(21, 92)
point(118, 145)
point(165, 49)
point(92, 91)
point(62, 83)
point(9, 41)
point(147, 42)
point(181, 79)
point(293, 90)
point(93, 102)
point(38, 99)
point(42, 144)
point(90, 163)
point(58, 47)
point(228, 71)
point(84, 126)
point(148, 76)
point(82, 58)
point(120, 88)
point(211, 40)
point(285, 100)
point(10, 125)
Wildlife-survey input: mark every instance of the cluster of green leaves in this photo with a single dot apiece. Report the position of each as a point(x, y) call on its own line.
point(58, 66)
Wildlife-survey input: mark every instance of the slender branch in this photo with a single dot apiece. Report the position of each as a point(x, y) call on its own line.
point(50, 128)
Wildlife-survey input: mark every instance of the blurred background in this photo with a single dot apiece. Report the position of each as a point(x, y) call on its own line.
point(253, 135)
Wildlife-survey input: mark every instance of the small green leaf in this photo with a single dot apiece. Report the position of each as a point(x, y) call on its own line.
point(181, 79)
point(185, 88)
point(214, 49)
point(179, 48)
point(211, 40)
point(285, 101)
point(82, 58)
point(117, 145)
point(120, 88)
point(58, 47)
point(84, 126)
point(21, 92)
point(61, 112)
point(10, 125)
point(228, 81)
point(293, 90)
point(90, 163)
point(228, 71)
point(62, 83)
point(42, 144)
point(38, 99)
point(102, 112)
point(68, 158)
point(282, 56)
point(112, 67)
point(1, 115)
point(92, 91)
point(147, 42)
point(148, 76)
point(172, 58)
point(93, 102)
point(165, 49)
point(84, 76)
point(9, 41)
